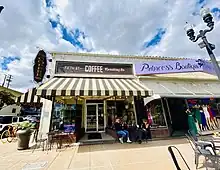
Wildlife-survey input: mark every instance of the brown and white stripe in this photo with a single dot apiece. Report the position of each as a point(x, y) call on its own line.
point(92, 87)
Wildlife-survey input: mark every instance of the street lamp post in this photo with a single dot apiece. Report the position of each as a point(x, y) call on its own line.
point(208, 19)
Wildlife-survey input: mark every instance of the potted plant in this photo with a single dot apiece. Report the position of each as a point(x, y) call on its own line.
point(24, 132)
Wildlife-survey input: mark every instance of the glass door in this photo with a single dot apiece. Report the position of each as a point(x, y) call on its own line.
point(91, 118)
point(100, 116)
point(95, 120)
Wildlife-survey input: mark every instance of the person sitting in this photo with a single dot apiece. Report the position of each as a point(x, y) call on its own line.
point(120, 132)
point(132, 129)
point(143, 131)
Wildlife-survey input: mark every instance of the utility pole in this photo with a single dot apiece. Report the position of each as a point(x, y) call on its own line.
point(4, 80)
point(9, 80)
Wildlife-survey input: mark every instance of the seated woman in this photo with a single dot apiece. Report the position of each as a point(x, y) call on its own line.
point(120, 132)
point(144, 131)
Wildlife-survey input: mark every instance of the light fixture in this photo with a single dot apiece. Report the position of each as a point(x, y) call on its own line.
point(189, 31)
point(1, 8)
point(207, 16)
point(208, 19)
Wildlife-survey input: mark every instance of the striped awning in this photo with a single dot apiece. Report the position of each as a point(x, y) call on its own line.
point(29, 97)
point(184, 89)
point(92, 87)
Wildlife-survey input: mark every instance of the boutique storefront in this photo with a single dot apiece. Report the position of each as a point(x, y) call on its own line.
point(88, 96)
point(178, 85)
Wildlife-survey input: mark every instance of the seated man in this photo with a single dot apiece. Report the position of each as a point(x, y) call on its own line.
point(143, 131)
point(120, 132)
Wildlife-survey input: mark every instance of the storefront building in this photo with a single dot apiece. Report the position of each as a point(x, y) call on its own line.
point(88, 91)
point(87, 95)
point(178, 85)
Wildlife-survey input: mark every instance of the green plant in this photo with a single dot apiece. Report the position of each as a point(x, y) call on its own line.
point(6, 98)
point(25, 125)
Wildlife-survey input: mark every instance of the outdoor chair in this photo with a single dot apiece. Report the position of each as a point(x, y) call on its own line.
point(204, 143)
point(40, 142)
point(53, 139)
point(59, 138)
point(206, 151)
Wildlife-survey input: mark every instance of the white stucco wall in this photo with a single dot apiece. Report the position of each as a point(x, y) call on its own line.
point(46, 113)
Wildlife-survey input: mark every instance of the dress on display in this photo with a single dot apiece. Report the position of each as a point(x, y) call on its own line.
point(192, 123)
point(213, 112)
point(203, 118)
point(149, 117)
point(198, 116)
point(207, 115)
point(210, 112)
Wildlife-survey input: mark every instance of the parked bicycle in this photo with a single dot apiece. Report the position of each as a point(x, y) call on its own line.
point(9, 135)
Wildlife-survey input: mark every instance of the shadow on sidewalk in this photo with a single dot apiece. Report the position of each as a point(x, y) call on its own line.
point(118, 146)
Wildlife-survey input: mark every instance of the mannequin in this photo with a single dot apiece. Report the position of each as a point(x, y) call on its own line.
point(207, 116)
point(191, 122)
point(212, 121)
point(203, 118)
point(214, 116)
point(198, 117)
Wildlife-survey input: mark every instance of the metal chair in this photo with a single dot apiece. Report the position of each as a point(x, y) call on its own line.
point(206, 150)
point(41, 141)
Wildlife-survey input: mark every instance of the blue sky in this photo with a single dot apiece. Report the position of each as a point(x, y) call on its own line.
point(75, 36)
point(71, 35)
point(156, 38)
point(4, 61)
point(134, 27)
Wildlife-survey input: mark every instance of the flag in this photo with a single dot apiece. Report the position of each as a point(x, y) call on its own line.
point(1, 8)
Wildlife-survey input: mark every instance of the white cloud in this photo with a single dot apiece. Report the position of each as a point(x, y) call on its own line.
point(117, 27)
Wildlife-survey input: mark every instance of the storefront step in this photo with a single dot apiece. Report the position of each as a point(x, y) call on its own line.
point(104, 139)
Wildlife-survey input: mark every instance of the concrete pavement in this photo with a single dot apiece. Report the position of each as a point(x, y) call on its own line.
point(152, 155)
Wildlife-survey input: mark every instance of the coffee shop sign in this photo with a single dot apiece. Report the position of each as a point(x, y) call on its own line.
point(168, 66)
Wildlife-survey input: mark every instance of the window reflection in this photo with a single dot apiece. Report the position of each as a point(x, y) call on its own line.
point(64, 116)
point(155, 113)
point(122, 108)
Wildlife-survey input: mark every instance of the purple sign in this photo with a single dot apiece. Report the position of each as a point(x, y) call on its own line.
point(208, 68)
point(174, 66)
point(168, 66)
point(69, 128)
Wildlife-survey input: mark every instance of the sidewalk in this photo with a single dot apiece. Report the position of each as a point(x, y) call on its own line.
point(153, 155)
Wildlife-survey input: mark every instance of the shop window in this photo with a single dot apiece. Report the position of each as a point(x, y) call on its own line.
point(122, 109)
point(155, 114)
point(64, 116)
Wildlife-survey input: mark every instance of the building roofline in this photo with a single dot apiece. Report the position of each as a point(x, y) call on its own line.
point(120, 56)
